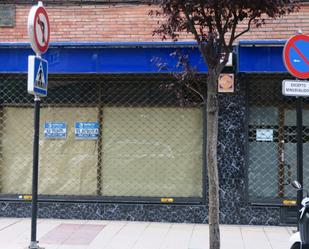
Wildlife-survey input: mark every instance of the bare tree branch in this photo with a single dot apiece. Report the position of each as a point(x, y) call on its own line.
point(191, 24)
point(227, 21)
point(195, 33)
point(208, 19)
point(233, 29)
point(244, 31)
point(196, 91)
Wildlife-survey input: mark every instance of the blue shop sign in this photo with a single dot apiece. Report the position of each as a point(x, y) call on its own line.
point(55, 130)
point(104, 57)
point(86, 130)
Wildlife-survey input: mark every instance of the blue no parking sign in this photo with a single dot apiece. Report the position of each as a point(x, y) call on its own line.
point(296, 56)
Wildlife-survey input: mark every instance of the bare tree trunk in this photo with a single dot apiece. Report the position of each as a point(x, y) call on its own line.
point(212, 141)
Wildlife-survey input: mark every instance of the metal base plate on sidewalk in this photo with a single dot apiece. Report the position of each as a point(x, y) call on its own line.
point(34, 245)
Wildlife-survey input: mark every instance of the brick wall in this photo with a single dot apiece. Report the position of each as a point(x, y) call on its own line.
point(127, 23)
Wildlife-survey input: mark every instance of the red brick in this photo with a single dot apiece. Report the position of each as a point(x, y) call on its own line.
point(130, 23)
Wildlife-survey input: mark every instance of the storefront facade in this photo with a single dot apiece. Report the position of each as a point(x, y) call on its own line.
point(147, 161)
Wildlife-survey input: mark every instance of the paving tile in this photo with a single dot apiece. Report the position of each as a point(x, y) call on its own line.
point(5, 222)
point(44, 228)
point(71, 246)
point(64, 221)
point(59, 234)
point(278, 237)
point(127, 236)
point(19, 232)
point(153, 236)
point(84, 235)
point(79, 234)
point(254, 238)
point(199, 238)
point(107, 234)
point(72, 234)
point(98, 222)
point(178, 236)
point(231, 237)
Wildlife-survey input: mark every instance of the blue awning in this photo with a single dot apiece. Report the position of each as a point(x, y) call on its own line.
point(103, 58)
point(263, 56)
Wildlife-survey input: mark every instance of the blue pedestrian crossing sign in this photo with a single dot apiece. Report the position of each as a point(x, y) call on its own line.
point(37, 76)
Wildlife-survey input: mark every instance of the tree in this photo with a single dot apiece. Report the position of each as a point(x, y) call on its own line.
point(215, 26)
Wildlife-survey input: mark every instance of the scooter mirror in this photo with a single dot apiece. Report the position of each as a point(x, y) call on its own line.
point(296, 185)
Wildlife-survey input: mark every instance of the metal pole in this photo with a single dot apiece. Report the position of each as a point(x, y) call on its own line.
point(299, 151)
point(35, 173)
point(205, 173)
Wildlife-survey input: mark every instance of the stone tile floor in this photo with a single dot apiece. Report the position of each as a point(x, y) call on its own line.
point(85, 234)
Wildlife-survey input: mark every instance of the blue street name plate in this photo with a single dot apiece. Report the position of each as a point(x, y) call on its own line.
point(86, 130)
point(55, 130)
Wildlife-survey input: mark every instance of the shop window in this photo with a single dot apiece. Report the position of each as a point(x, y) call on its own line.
point(149, 143)
point(272, 140)
point(67, 166)
point(152, 152)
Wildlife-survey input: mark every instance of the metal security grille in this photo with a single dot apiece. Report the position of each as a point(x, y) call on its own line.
point(149, 143)
point(272, 140)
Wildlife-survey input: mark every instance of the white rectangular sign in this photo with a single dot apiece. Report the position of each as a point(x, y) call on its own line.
point(266, 135)
point(295, 88)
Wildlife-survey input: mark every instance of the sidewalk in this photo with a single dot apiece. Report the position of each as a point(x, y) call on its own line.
point(83, 234)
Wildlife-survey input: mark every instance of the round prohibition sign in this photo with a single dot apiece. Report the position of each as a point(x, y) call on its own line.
point(296, 56)
point(39, 29)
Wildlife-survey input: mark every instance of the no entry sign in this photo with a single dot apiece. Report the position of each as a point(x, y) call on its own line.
point(296, 56)
point(38, 28)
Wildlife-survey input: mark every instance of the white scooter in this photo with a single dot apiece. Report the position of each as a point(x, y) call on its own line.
point(300, 239)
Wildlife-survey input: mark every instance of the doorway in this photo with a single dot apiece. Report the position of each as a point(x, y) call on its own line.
point(272, 141)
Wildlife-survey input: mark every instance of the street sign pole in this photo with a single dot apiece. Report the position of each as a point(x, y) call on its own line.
point(35, 174)
point(39, 34)
point(299, 117)
point(296, 61)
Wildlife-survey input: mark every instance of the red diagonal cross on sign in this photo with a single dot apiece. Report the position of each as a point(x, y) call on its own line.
point(300, 54)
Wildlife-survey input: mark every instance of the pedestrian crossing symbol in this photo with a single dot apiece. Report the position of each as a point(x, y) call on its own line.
point(40, 80)
point(37, 76)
